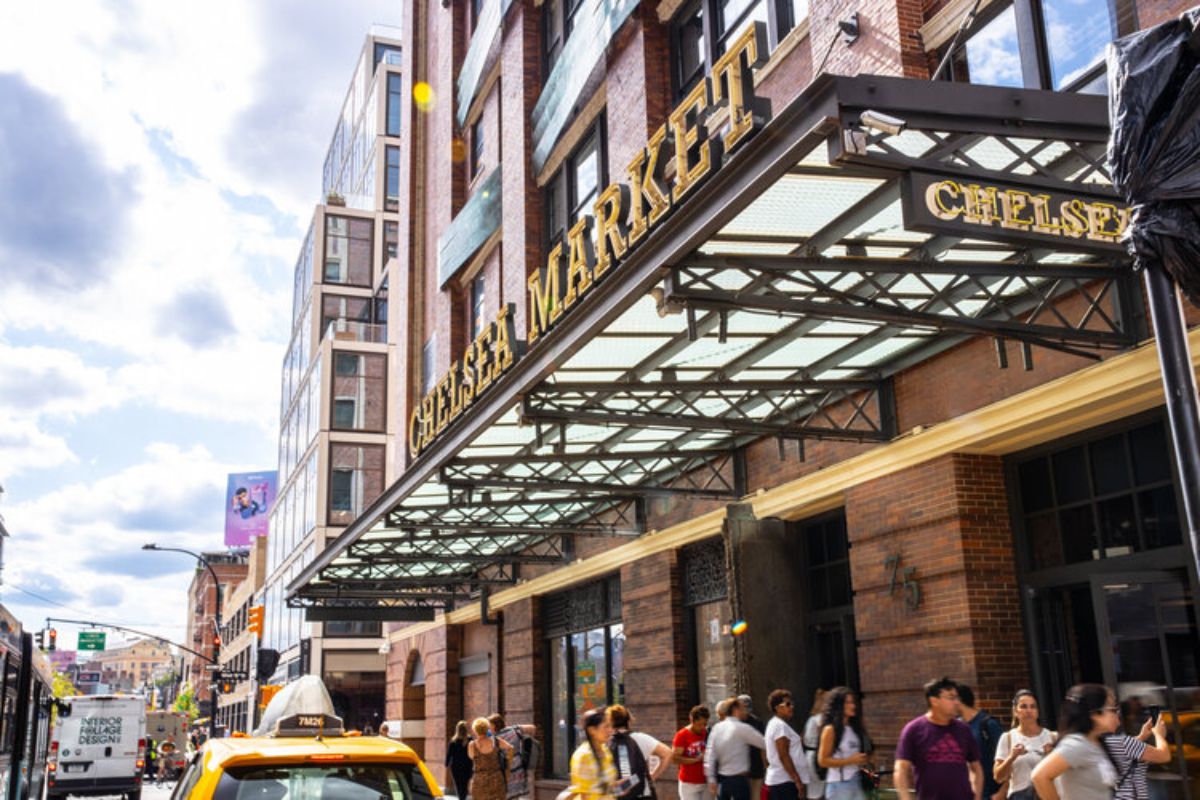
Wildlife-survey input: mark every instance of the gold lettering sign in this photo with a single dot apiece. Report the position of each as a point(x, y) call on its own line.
point(483, 362)
point(624, 213)
point(1013, 213)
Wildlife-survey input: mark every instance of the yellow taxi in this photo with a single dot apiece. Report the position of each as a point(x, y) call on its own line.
point(301, 752)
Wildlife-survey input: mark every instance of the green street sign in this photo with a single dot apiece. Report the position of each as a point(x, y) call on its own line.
point(91, 640)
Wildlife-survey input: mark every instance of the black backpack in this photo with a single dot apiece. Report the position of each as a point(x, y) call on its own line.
point(637, 763)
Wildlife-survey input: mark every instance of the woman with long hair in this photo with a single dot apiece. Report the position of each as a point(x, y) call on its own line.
point(458, 760)
point(1022, 748)
point(844, 747)
point(812, 740)
point(1079, 768)
point(489, 781)
point(593, 771)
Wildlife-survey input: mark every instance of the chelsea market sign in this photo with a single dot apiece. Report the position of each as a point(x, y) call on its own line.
point(623, 215)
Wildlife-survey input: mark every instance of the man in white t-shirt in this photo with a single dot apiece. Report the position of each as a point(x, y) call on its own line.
point(787, 769)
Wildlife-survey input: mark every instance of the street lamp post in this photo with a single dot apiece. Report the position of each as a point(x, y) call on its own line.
point(216, 657)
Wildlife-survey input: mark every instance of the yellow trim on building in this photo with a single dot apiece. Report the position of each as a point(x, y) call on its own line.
point(1119, 387)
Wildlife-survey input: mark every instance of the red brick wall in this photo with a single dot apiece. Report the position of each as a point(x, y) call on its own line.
point(438, 702)
point(948, 519)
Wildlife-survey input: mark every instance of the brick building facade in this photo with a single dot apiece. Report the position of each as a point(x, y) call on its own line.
point(1007, 502)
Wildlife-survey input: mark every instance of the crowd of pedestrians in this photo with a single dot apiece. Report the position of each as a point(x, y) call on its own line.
point(953, 751)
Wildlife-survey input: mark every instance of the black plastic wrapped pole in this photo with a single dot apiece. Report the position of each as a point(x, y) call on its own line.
point(1179, 386)
point(1154, 158)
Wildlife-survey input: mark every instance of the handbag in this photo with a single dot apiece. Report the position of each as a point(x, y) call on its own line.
point(868, 779)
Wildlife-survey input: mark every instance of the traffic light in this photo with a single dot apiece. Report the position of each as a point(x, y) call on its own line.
point(39, 639)
point(254, 620)
point(226, 687)
point(53, 640)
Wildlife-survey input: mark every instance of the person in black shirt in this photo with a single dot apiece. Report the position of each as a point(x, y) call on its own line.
point(459, 760)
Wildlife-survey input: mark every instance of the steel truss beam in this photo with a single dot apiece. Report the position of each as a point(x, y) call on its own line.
point(960, 297)
point(324, 594)
point(854, 410)
point(406, 576)
point(405, 550)
point(697, 472)
point(602, 515)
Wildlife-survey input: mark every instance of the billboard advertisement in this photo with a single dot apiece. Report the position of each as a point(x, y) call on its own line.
point(248, 500)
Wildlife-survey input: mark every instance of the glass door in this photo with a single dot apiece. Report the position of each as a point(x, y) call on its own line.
point(1150, 652)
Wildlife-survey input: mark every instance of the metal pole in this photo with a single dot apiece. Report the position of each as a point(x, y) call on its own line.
point(1179, 386)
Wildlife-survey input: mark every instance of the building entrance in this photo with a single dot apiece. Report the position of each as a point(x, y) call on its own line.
point(1136, 632)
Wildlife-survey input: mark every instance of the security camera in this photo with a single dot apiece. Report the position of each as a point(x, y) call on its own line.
point(882, 123)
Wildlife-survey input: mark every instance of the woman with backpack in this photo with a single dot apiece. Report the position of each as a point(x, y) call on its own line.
point(635, 753)
point(490, 757)
point(593, 771)
point(1079, 768)
point(1022, 748)
point(843, 751)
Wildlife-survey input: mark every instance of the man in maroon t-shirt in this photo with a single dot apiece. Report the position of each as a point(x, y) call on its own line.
point(688, 747)
point(939, 751)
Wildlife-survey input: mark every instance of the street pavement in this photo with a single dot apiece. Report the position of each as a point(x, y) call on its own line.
point(149, 792)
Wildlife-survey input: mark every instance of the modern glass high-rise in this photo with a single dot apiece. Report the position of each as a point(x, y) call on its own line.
point(334, 453)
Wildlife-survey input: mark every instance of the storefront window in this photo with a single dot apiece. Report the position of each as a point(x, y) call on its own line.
point(586, 655)
point(706, 594)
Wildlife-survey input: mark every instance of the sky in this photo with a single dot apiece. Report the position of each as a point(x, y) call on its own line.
point(159, 164)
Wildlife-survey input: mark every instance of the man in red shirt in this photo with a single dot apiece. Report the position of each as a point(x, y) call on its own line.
point(689, 746)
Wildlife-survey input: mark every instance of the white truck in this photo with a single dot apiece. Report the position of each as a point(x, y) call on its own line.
point(98, 747)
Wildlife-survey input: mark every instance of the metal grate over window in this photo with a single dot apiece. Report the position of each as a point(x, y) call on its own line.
point(582, 608)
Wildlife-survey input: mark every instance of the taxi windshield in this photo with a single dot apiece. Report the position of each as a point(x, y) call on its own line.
point(334, 781)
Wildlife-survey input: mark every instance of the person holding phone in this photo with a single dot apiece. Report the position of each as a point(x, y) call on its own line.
point(1133, 756)
point(1021, 748)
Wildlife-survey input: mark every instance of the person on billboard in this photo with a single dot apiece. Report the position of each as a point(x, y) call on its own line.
point(244, 505)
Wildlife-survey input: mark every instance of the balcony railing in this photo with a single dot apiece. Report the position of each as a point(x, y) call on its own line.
point(348, 330)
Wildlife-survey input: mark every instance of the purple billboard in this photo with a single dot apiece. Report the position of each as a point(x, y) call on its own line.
point(248, 500)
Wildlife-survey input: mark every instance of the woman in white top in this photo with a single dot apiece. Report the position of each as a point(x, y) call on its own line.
point(1021, 748)
point(787, 770)
point(1079, 768)
point(812, 738)
point(844, 746)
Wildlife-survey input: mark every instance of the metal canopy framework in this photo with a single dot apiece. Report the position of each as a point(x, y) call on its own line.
point(776, 303)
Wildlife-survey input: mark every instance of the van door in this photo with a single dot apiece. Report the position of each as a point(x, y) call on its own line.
point(100, 740)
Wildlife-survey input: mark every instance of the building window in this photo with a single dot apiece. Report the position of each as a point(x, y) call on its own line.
point(1043, 44)
point(391, 241)
point(338, 310)
point(387, 53)
point(476, 147)
point(395, 100)
point(355, 480)
point(348, 245)
point(381, 303)
point(828, 554)
point(709, 614)
point(478, 313)
point(427, 373)
point(702, 30)
point(392, 179)
point(359, 391)
point(571, 192)
point(586, 653)
point(1100, 499)
point(558, 19)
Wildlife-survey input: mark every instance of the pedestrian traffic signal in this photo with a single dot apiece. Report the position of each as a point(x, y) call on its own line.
point(39, 639)
point(254, 621)
point(53, 640)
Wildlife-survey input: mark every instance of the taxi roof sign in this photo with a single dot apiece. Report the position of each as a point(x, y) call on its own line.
point(309, 725)
point(306, 696)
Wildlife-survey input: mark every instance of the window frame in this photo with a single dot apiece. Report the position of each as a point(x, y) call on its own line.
point(1033, 43)
point(477, 305)
point(780, 23)
point(559, 193)
point(395, 103)
point(475, 160)
point(391, 178)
